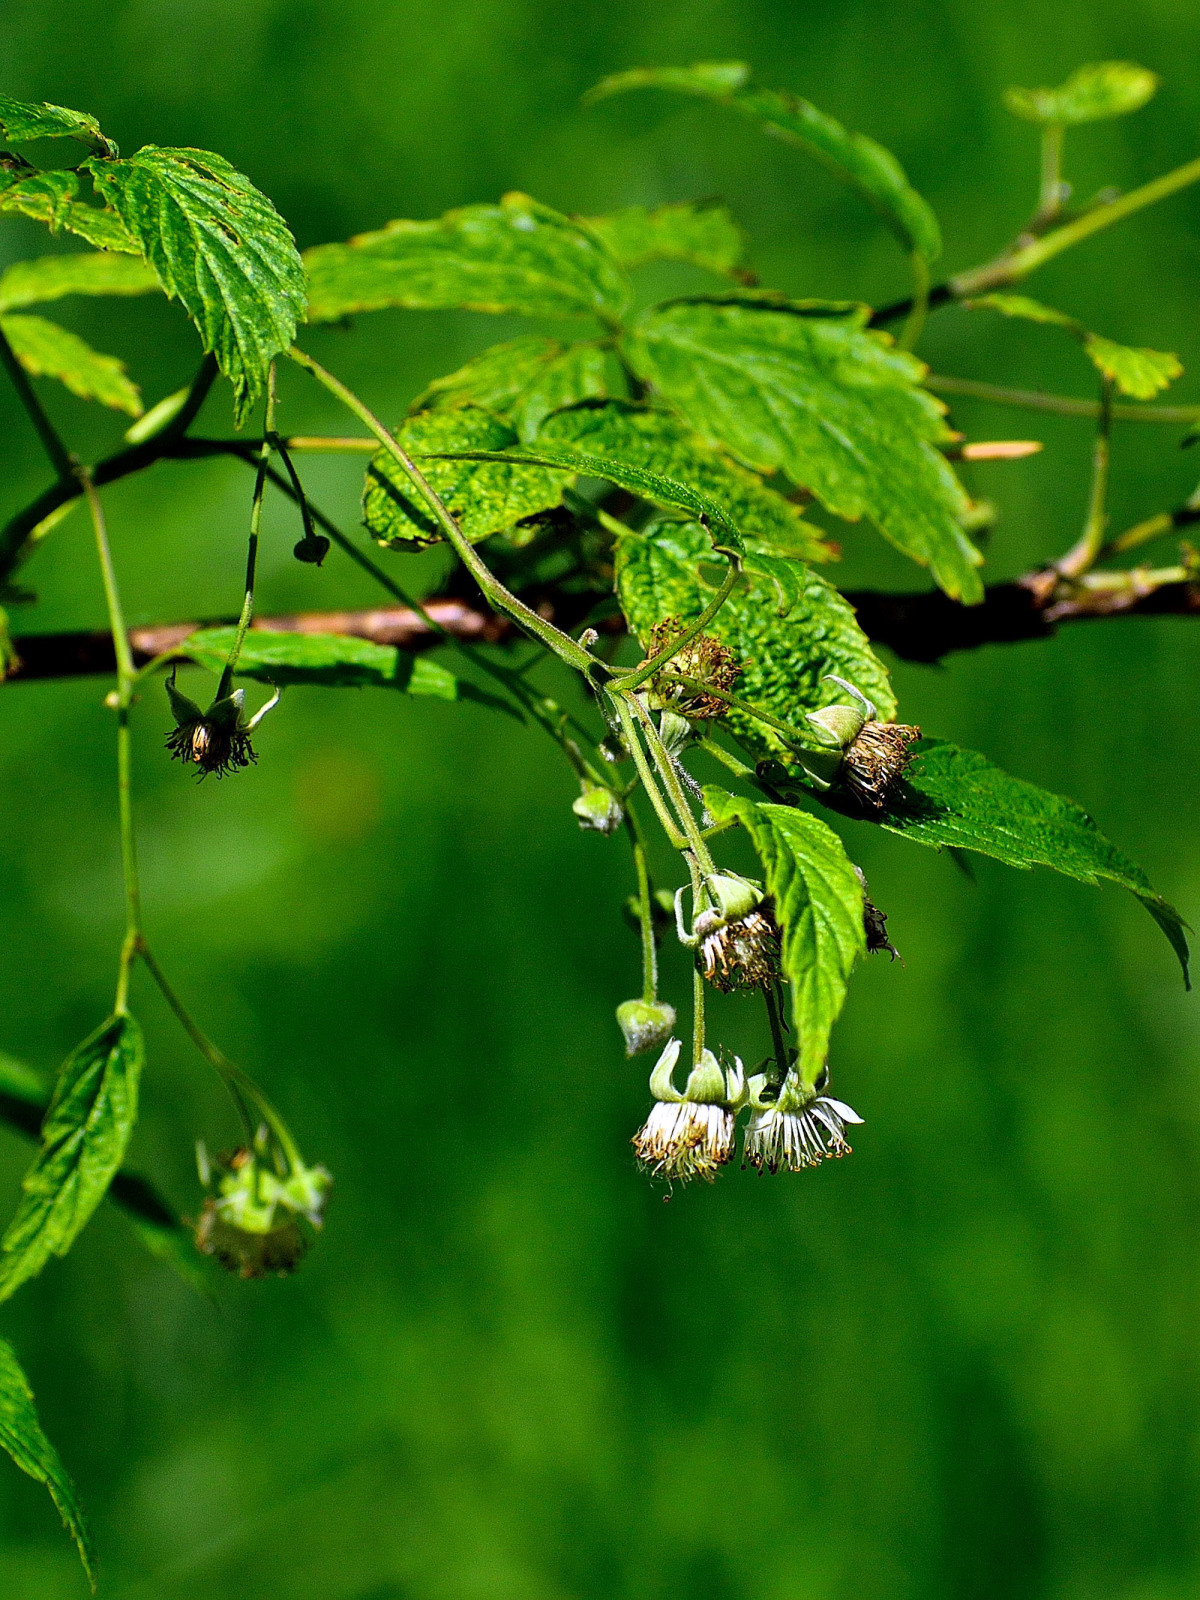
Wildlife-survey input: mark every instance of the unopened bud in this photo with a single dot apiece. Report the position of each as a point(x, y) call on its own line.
point(599, 809)
point(646, 1024)
point(312, 550)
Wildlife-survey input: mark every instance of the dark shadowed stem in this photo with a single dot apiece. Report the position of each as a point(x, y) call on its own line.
point(256, 506)
point(775, 1017)
point(60, 456)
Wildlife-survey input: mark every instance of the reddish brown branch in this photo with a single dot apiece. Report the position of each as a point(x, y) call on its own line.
point(917, 627)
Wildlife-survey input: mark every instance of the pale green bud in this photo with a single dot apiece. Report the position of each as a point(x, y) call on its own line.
point(646, 1024)
point(731, 897)
point(599, 809)
point(843, 724)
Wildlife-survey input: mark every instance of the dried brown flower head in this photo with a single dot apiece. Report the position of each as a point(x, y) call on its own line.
point(251, 1254)
point(873, 762)
point(703, 658)
point(743, 954)
point(216, 747)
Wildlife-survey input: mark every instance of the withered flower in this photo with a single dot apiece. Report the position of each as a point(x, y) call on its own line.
point(743, 954)
point(216, 740)
point(874, 761)
point(703, 658)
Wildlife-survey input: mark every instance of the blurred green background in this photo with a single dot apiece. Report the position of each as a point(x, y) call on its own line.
point(965, 1363)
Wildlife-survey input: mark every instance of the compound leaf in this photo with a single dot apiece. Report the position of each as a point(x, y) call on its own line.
point(784, 653)
point(701, 233)
point(22, 1438)
point(47, 351)
point(518, 256)
point(659, 441)
point(21, 121)
point(84, 1136)
point(956, 799)
point(484, 497)
point(855, 159)
point(522, 381)
point(218, 245)
point(31, 283)
point(818, 904)
point(1092, 93)
point(831, 404)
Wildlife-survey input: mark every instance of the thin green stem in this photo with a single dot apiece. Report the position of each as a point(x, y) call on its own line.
point(673, 787)
point(553, 638)
point(1050, 190)
point(124, 695)
point(302, 442)
point(633, 742)
point(1019, 263)
point(697, 1015)
point(645, 914)
point(646, 670)
point(728, 760)
point(914, 323)
point(1058, 404)
point(60, 456)
point(256, 507)
point(1083, 554)
point(736, 703)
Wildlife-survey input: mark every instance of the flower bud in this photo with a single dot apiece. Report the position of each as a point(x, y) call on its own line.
point(250, 1223)
point(841, 723)
point(599, 809)
point(676, 732)
point(646, 1024)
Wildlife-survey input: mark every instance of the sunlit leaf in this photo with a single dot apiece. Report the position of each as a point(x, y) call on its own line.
point(484, 497)
point(518, 256)
point(84, 1137)
point(829, 403)
point(31, 283)
point(1092, 93)
point(22, 1438)
point(21, 121)
point(853, 157)
point(659, 441)
point(220, 247)
point(50, 197)
point(522, 381)
point(956, 799)
point(818, 904)
point(701, 233)
point(787, 626)
point(47, 351)
point(329, 660)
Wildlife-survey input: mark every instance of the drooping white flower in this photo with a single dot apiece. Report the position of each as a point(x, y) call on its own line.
point(785, 1140)
point(690, 1135)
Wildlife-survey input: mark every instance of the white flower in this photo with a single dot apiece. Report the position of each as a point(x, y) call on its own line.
point(690, 1135)
point(792, 1140)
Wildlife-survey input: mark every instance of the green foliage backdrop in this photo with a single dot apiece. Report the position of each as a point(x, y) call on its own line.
point(963, 1364)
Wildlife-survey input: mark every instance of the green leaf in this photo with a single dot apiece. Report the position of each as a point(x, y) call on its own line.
point(956, 799)
point(31, 283)
point(819, 905)
point(827, 401)
point(84, 1136)
point(23, 1100)
point(331, 660)
point(701, 233)
point(1092, 93)
point(219, 246)
point(703, 77)
point(658, 441)
point(855, 159)
point(518, 256)
point(22, 1438)
point(784, 653)
point(1137, 372)
point(47, 351)
point(522, 381)
point(21, 121)
point(50, 197)
point(484, 497)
